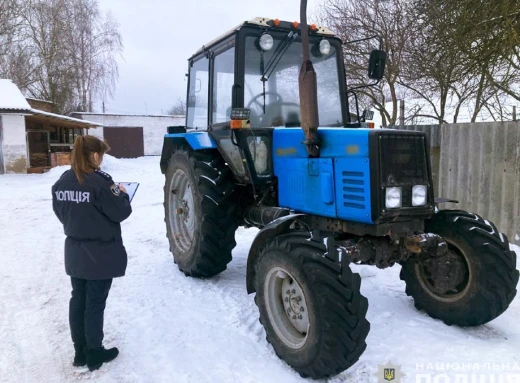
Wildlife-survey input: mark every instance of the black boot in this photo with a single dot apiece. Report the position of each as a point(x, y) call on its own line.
point(80, 358)
point(96, 357)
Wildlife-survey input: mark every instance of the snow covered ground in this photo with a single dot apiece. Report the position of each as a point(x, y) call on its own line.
point(170, 328)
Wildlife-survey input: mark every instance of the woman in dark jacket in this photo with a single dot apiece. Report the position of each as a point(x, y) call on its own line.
point(90, 207)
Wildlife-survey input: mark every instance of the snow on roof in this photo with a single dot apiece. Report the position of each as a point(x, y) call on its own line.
point(38, 112)
point(11, 98)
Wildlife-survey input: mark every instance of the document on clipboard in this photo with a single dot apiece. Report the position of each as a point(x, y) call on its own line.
point(131, 188)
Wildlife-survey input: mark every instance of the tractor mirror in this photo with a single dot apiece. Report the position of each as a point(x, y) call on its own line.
point(376, 65)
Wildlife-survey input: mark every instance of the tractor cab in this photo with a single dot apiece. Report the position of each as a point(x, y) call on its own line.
point(256, 66)
point(248, 77)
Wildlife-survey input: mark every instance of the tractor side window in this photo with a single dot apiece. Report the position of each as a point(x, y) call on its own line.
point(198, 95)
point(329, 99)
point(223, 80)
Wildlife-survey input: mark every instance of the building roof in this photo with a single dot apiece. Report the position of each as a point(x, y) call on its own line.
point(13, 101)
point(11, 98)
point(69, 120)
point(39, 100)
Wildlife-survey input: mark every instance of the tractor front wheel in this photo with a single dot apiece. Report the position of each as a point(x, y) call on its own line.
point(200, 213)
point(474, 282)
point(310, 306)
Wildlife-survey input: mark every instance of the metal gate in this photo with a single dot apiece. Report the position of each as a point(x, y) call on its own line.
point(124, 142)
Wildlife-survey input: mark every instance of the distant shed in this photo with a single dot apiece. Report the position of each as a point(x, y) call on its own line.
point(131, 135)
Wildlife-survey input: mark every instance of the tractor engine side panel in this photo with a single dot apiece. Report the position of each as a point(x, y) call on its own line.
point(307, 185)
point(336, 185)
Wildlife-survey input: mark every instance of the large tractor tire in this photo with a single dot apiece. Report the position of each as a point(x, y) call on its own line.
point(471, 285)
point(200, 213)
point(310, 306)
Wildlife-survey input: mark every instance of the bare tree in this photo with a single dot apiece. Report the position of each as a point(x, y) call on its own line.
point(445, 57)
point(65, 52)
point(178, 108)
point(360, 19)
point(468, 52)
point(13, 57)
point(44, 27)
point(9, 24)
point(93, 41)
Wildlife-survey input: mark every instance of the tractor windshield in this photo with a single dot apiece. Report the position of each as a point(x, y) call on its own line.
point(271, 83)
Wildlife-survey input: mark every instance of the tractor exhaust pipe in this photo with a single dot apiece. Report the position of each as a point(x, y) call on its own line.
point(308, 90)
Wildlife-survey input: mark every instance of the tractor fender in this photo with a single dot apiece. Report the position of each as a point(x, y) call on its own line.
point(191, 140)
point(273, 229)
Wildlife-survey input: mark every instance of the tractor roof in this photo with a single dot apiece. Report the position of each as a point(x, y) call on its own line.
point(266, 23)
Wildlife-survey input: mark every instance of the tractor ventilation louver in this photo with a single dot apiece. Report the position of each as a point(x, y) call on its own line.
point(354, 190)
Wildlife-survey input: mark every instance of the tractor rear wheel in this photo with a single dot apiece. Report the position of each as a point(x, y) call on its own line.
point(474, 282)
point(310, 306)
point(200, 213)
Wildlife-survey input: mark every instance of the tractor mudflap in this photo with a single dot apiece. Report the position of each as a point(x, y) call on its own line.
point(271, 230)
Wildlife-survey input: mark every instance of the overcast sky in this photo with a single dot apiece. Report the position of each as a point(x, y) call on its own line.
point(160, 35)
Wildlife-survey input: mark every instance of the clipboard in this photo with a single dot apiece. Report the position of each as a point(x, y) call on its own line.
point(131, 188)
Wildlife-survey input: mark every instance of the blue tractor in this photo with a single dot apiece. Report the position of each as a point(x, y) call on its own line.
point(269, 142)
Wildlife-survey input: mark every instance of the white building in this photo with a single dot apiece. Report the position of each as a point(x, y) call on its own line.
point(131, 136)
point(32, 139)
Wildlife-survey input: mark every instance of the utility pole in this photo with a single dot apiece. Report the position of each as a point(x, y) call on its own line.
point(514, 112)
point(103, 106)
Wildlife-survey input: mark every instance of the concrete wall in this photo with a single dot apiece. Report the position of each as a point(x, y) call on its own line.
point(154, 127)
point(14, 146)
point(479, 165)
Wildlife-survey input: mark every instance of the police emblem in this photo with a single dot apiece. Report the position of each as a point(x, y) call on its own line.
point(115, 190)
point(389, 373)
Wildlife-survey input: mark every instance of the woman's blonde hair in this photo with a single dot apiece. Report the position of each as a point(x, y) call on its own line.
point(82, 161)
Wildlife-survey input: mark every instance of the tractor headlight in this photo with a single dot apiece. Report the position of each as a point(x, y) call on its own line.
point(393, 198)
point(419, 193)
point(266, 42)
point(324, 47)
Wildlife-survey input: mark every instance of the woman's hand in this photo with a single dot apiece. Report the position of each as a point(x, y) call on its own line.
point(122, 188)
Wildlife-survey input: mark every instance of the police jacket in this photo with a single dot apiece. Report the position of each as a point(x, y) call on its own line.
point(91, 214)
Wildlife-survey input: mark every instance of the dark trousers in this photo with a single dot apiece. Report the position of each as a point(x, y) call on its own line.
point(86, 311)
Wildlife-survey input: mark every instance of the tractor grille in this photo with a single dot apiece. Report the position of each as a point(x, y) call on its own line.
point(403, 160)
point(354, 190)
point(399, 159)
